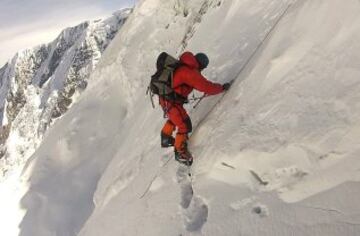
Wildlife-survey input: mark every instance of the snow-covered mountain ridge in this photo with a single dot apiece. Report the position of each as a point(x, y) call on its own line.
point(39, 84)
point(276, 155)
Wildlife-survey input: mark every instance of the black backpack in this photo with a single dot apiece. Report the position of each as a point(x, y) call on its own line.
point(161, 82)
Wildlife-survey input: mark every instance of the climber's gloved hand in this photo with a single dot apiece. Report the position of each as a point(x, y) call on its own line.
point(226, 86)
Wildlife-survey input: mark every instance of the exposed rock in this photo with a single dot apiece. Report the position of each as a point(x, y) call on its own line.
point(38, 84)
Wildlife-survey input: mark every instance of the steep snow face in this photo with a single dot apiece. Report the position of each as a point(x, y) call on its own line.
point(38, 85)
point(295, 113)
point(276, 155)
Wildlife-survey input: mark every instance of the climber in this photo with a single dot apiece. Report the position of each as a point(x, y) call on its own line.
point(186, 77)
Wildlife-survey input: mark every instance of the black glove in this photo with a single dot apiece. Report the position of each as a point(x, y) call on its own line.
point(226, 86)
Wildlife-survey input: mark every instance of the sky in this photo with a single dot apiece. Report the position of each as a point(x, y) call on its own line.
point(27, 23)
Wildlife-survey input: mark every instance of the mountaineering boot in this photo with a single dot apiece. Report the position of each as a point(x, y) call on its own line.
point(167, 141)
point(182, 154)
point(184, 157)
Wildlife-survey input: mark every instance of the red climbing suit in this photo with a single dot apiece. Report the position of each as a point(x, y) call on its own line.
point(185, 79)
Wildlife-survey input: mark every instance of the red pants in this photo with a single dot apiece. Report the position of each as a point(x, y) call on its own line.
point(177, 118)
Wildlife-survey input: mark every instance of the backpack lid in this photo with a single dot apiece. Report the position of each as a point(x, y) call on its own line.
point(165, 60)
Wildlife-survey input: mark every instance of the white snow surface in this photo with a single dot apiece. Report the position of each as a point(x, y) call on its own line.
point(278, 154)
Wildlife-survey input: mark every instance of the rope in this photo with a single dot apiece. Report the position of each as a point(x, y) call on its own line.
point(199, 99)
point(154, 177)
point(246, 63)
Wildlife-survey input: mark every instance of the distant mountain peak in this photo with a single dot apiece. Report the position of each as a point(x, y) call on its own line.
point(51, 74)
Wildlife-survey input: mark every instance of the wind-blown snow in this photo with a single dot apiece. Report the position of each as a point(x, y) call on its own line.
point(277, 155)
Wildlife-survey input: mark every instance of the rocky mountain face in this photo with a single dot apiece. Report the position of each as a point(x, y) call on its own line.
point(38, 85)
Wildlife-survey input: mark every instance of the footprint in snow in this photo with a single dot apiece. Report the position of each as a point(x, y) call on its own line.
point(260, 210)
point(196, 215)
point(186, 189)
point(195, 209)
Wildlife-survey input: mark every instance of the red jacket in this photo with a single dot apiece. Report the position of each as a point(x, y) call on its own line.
point(186, 78)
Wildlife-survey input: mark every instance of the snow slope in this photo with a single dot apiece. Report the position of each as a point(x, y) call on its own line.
point(37, 86)
point(276, 155)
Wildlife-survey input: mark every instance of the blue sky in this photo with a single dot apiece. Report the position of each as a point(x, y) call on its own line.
point(26, 23)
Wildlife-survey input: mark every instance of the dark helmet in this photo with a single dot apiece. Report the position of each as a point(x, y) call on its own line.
point(202, 59)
